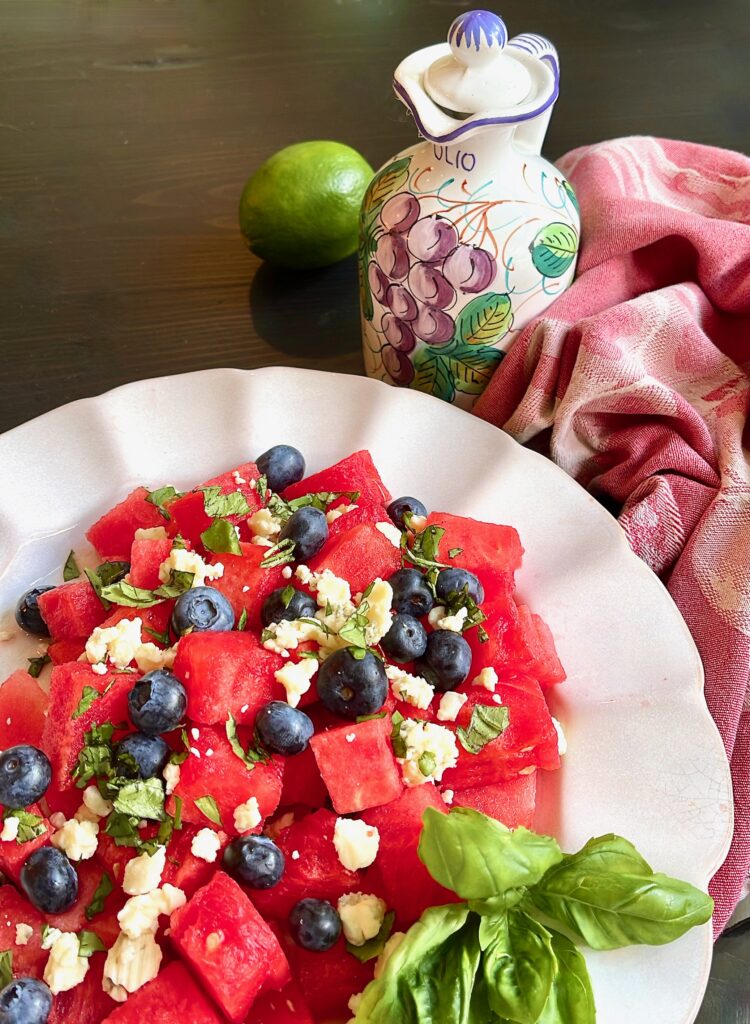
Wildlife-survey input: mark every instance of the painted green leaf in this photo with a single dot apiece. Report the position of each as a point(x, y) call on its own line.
point(554, 248)
point(385, 183)
point(472, 367)
point(485, 320)
point(365, 294)
point(432, 374)
point(568, 189)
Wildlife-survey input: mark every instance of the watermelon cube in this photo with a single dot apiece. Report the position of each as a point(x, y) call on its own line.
point(303, 783)
point(184, 869)
point(28, 960)
point(146, 556)
point(408, 886)
point(87, 1003)
point(315, 870)
point(483, 545)
point(14, 852)
point(245, 584)
point(365, 512)
point(104, 924)
point(62, 651)
point(213, 769)
point(112, 535)
point(359, 555)
point(71, 610)
point(511, 802)
point(285, 1007)
point(359, 772)
point(225, 672)
point(328, 980)
point(22, 710)
point(155, 618)
point(357, 472)
point(543, 662)
point(172, 996)
point(229, 946)
point(189, 517)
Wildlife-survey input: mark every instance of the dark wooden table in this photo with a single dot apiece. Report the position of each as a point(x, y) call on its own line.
point(130, 126)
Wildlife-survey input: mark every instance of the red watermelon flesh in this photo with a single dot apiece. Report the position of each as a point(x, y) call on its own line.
point(366, 512)
point(359, 772)
point(156, 618)
point(303, 783)
point(188, 513)
point(357, 472)
point(183, 868)
point(104, 924)
point(284, 1007)
point(63, 651)
point(483, 545)
point(224, 776)
point(229, 946)
point(245, 584)
point(316, 872)
point(22, 706)
point(225, 672)
point(28, 960)
point(146, 556)
point(359, 555)
point(71, 610)
point(409, 887)
point(511, 802)
point(328, 980)
point(13, 854)
point(113, 534)
point(544, 663)
point(173, 996)
point(87, 1003)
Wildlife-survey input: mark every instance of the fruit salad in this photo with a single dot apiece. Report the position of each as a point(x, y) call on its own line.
point(290, 723)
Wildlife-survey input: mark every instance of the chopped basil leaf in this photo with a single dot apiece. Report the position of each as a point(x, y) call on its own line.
point(160, 497)
point(321, 500)
point(89, 695)
point(141, 798)
point(208, 806)
point(458, 599)
point(96, 583)
point(483, 635)
point(70, 569)
point(221, 537)
point(218, 505)
point(124, 829)
point(89, 943)
point(374, 946)
point(102, 891)
point(287, 595)
point(367, 591)
point(369, 718)
point(280, 554)
point(177, 820)
point(427, 763)
point(164, 834)
point(128, 596)
point(353, 632)
point(6, 967)
point(454, 552)
point(112, 572)
point(486, 724)
point(30, 826)
point(37, 664)
point(161, 638)
point(249, 757)
point(397, 740)
point(95, 758)
point(242, 623)
point(261, 487)
point(179, 757)
point(309, 654)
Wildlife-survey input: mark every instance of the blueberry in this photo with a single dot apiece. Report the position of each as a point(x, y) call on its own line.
point(447, 660)
point(308, 528)
point(350, 686)
point(25, 774)
point(314, 924)
point(28, 615)
point(25, 1001)
point(400, 506)
point(141, 757)
point(282, 466)
point(411, 593)
point(200, 610)
point(283, 729)
point(255, 860)
point(49, 880)
point(299, 606)
point(405, 640)
point(454, 580)
point(157, 703)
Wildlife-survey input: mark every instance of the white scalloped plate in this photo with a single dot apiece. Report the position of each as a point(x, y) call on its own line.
point(644, 757)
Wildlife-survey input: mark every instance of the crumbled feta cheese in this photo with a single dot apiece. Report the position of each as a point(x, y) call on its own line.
point(296, 678)
point(305, 575)
point(171, 775)
point(206, 845)
point(331, 589)
point(413, 690)
point(450, 705)
point(447, 796)
point(152, 533)
point(264, 523)
point(453, 622)
point(23, 934)
point(77, 839)
point(356, 842)
point(486, 678)
point(378, 613)
point(388, 950)
point(295, 854)
point(182, 560)
point(96, 803)
point(85, 814)
point(245, 589)
point(262, 542)
point(390, 532)
point(434, 741)
point(496, 698)
point(351, 737)
point(149, 657)
point(436, 614)
point(118, 643)
point(10, 829)
point(288, 634)
point(130, 963)
point(195, 733)
point(418, 523)
point(286, 572)
point(238, 479)
point(562, 743)
point(50, 937)
point(361, 916)
point(247, 816)
point(140, 914)
point(336, 513)
point(143, 873)
point(65, 968)
point(100, 668)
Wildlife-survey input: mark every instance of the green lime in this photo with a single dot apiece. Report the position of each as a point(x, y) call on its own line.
point(301, 207)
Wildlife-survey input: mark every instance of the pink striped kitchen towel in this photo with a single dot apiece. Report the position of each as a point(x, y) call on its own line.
point(642, 372)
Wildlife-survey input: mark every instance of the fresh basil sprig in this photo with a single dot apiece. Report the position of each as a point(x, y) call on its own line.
point(128, 596)
point(221, 538)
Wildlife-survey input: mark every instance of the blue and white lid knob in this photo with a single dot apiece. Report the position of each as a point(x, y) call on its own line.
point(477, 37)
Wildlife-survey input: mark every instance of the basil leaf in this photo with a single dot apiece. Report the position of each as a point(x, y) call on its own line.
point(374, 946)
point(397, 740)
point(102, 891)
point(454, 552)
point(208, 806)
point(6, 967)
point(571, 999)
point(96, 583)
point(424, 548)
point(607, 896)
point(459, 599)
point(218, 505)
point(128, 596)
point(287, 595)
point(222, 538)
point(30, 826)
point(488, 721)
point(280, 554)
point(124, 829)
point(88, 696)
point(161, 638)
point(519, 965)
point(427, 763)
point(112, 572)
point(89, 943)
point(160, 497)
point(177, 820)
point(95, 758)
point(37, 664)
point(478, 858)
point(141, 798)
point(70, 569)
point(353, 631)
point(249, 757)
point(242, 622)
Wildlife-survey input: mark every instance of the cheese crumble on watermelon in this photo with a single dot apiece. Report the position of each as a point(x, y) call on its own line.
point(254, 698)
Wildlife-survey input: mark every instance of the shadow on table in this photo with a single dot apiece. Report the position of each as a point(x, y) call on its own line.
point(727, 999)
point(309, 313)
